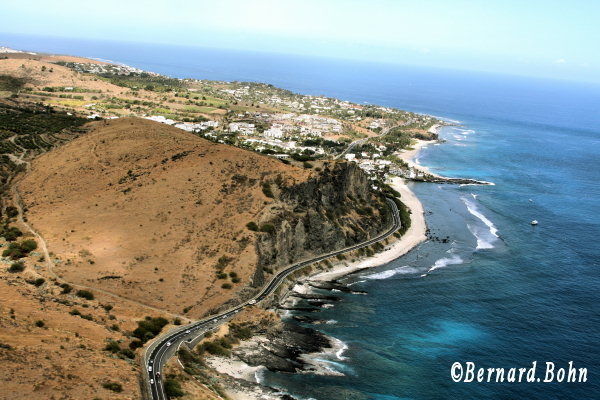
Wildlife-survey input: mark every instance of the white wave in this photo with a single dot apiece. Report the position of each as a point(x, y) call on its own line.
point(406, 269)
point(459, 137)
point(474, 211)
point(331, 322)
point(474, 195)
point(354, 283)
point(444, 262)
point(416, 161)
point(259, 376)
point(483, 242)
point(340, 346)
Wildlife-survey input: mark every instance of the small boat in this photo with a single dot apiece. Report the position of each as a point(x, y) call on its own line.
point(534, 222)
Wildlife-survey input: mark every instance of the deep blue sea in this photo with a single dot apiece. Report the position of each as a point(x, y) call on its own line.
point(501, 293)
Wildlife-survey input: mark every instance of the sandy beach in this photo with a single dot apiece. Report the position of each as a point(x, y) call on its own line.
point(408, 156)
point(411, 238)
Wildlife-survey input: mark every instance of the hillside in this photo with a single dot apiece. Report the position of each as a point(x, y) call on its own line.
point(151, 221)
point(151, 212)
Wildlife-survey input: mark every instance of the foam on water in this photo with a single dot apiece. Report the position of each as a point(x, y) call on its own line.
point(444, 262)
point(472, 207)
point(406, 269)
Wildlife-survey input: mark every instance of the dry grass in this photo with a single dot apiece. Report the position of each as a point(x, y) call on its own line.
point(153, 208)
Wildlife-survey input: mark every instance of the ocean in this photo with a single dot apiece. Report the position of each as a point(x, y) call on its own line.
point(501, 293)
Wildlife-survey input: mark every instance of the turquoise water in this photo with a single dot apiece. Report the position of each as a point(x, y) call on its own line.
point(501, 293)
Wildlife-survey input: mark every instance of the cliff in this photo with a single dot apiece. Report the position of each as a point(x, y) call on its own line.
point(332, 210)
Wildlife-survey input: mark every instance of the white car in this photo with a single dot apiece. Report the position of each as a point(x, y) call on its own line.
point(152, 381)
point(253, 301)
point(188, 331)
point(168, 344)
point(150, 368)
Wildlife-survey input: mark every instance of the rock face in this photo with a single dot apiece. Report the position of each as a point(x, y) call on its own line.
point(332, 210)
point(282, 347)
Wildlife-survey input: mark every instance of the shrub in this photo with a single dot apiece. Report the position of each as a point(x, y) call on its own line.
point(114, 386)
point(113, 347)
point(75, 312)
point(268, 228)
point(221, 275)
point(177, 321)
point(107, 307)
point(16, 267)
point(173, 388)
point(266, 188)
point(149, 328)
point(226, 286)
point(66, 288)
point(128, 353)
point(307, 165)
point(11, 211)
point(28, 245)
point(233, 274)
point(252, 226)
point(85, 294)
point(236, 280)
point(39, 282)
point(39, 323)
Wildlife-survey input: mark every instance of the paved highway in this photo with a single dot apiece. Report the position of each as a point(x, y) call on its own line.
point(157, 354)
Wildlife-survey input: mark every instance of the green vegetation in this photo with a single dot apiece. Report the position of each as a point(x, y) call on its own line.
point(173, 388)
point(113, 347)
point(85, 294)
point(12, 84)
point(266, 189)
point(39, 282)
point(267, 228)
point(252, 226)
point(39, 323)
point(240, 331)
point(10, 233)
point(114, 386)
point(66, 288)
point(31, 127)
point(226, 286)
point(149, 327)
point(20, 250)
point(16, 267)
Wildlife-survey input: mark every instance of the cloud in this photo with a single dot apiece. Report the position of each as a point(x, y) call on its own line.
point(560, 61)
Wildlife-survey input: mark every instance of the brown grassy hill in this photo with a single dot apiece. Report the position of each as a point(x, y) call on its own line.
point(146, 211)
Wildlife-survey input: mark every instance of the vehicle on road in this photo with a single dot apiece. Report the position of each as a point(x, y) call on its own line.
point(168, 344)
point(188, 331)
point(151, 381)
point(253, 301)
point(150, 368)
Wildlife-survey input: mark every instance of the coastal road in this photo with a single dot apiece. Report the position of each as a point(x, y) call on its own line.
point(159, 352)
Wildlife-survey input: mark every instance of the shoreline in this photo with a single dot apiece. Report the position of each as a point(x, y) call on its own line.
point(415, 235)
point(411, 238)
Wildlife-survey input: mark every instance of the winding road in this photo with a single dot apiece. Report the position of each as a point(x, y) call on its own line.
point(159, 352)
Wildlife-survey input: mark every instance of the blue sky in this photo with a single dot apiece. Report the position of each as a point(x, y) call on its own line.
point(549, 38)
